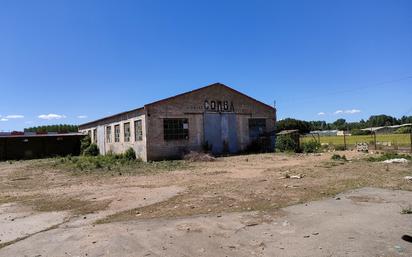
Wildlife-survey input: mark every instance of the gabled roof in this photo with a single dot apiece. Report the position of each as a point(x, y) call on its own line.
point(109, 117)
point(209, 86)
point(176, 96)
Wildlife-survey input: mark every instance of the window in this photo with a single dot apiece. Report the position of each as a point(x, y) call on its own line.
point(256, 127)
point(89, 133)
point(126, 130)
point(95, 136)
point(175, 129)
point(138, 132)
point(117, 133)
point(108, 134)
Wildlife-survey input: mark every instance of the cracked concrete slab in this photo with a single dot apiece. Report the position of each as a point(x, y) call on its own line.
point(363, 222)
point(17, 221)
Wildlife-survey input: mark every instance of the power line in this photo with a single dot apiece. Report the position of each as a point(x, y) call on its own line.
point(312, 98)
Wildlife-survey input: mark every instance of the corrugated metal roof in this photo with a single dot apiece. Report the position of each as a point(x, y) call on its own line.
point(379, 128)
point(31, 134)
point(286, 132)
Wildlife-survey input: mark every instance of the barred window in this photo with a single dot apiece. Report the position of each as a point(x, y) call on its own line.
point(117, 133)
point(138, 132)
point(256, 127)
point(109, 134)
point(175, 129)
point(95, 136)
point(126, 130)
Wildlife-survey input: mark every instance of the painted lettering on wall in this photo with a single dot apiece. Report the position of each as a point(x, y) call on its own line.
point(219, 106)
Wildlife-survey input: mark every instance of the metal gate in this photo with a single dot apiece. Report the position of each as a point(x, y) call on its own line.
point(220, 130)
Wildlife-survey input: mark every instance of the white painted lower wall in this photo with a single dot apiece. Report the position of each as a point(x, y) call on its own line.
point(121, 146)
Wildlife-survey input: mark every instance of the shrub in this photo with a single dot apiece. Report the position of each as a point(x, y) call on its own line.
point(130, 154)
point(92, 150)
point(403, 130)
point(337, 157)
point(286, 143)
point(340, 148)
point(85, 143)
point(310, 146)
point(358, 132)
point(406, 210)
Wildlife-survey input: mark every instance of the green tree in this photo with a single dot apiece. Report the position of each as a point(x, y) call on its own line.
point(289, 123)
point(60, 128)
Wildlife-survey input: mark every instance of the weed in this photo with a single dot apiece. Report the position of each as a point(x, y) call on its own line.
point(406, 210)
point(310, 147)
point(130, 154)
point(112, 164)
point(388, 156)
point(340, 148)
point(337, 157)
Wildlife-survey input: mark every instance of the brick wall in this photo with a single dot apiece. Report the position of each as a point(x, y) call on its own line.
point(192, 106)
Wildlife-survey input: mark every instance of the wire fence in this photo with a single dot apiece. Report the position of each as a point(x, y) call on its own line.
point(397, 142)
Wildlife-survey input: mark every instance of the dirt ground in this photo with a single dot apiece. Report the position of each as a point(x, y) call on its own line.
point(248, 205)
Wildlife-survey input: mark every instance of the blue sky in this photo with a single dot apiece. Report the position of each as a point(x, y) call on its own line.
point(81, 60)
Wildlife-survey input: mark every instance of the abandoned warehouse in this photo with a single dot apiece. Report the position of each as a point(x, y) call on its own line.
point(216, 117)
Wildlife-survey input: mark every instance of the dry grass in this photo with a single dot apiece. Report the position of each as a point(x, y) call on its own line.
point(233, 184)
point(47, 203)
point(271, 193)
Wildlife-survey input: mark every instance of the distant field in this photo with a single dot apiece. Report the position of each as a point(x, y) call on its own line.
point(395, 139)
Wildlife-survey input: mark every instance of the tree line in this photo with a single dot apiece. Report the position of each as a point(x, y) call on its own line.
point(61, 128)
point(341, 124)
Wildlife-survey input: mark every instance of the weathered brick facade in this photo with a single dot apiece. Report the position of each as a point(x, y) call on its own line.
point(215, 107)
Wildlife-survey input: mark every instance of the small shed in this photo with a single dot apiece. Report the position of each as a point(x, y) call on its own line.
point(26, 145)
point(292, 133)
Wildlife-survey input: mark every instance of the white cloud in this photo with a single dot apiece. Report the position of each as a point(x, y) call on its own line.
point(14, 116)
point(321, 113)
point(352, 111)
point(82, 116)
point(51, 116)
point(4, 119)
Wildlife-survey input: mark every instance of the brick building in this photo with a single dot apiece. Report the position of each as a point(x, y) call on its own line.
point(215, 116)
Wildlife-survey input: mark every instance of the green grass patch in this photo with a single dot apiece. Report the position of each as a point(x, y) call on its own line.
point(113, 164)
point(395, 139)
point(388, 156)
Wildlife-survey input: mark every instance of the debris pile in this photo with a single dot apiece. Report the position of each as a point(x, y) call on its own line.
point(396, 160)
point(198, 157)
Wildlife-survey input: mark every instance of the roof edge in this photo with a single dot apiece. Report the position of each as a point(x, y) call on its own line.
point(211, 85)
point(108, 117)
point(179, 95)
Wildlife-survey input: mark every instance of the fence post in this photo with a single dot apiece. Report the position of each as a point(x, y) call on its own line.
point(410, 135)
point(374, 138)
point(344, 139)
